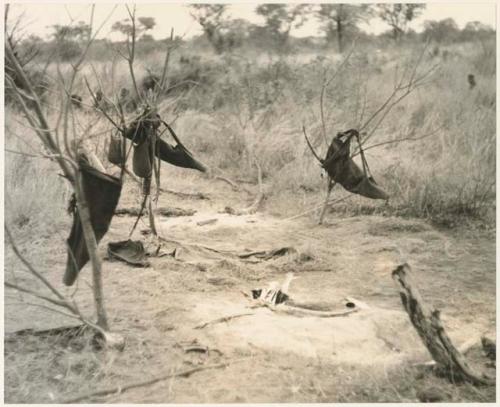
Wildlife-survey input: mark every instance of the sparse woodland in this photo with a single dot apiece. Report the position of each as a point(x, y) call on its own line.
point(256, 109)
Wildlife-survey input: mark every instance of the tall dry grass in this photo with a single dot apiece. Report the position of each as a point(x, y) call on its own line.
point(35, 196)
point(241, 107)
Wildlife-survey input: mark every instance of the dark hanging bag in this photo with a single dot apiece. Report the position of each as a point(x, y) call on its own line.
point(117, 150)
point(342, 169)
point(142, 160)
point(102, 192)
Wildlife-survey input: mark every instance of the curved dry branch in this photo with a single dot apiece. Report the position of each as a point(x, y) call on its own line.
point(310, 145)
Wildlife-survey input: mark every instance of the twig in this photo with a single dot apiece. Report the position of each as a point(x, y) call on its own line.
point(121, 389)
point(131, 51)
point(29, 266)
point(399, 140)
point(47, 156)
point(165, 64)
point(223, 319)
point(318, 207)
point(327, 82)
point(38, 295)
point(254, 207)
point(310, 145)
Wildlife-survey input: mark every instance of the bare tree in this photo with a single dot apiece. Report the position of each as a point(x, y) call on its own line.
point(338, 159)
point(62, 142)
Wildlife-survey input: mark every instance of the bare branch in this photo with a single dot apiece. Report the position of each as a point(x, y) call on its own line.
point(29, 266)
point(44, 133)
point(131, 52)
point(326, 83)
point(165, 65)
point(38, 295)
point(310, 146)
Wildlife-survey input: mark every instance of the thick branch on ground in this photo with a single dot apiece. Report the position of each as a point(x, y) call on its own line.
point(428, 325)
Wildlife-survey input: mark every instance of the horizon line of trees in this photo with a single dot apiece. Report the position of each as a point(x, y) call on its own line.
point(338, 23)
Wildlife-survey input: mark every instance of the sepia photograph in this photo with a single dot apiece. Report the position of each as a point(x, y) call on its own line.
point(230, 202)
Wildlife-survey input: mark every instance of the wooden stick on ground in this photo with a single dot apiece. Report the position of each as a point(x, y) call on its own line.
point(223, 319)
point(431, 331)
point(121, 389)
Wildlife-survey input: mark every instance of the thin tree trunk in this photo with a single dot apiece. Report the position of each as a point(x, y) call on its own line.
point(340, 36)
point(152, 223)
point(91, 243)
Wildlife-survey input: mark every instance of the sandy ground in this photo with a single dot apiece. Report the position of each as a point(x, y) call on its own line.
point(272, 357)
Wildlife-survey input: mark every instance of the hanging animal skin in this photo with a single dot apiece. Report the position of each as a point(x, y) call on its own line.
point(342, 168)
point(179, 155)
point(102, 192)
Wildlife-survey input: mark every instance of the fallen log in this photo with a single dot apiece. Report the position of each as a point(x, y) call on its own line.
point(428, 325)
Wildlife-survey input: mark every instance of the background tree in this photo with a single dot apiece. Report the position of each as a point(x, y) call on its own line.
point(281, 18)
point(441, 31)
point(398, 16)
point(68, 38)
point(145, 24)
point(337, 20)
point(236, 32)
point(475, 30)
point(212, 19)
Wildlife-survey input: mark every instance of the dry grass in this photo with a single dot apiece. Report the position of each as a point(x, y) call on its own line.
point(34, 195)
point(241, 106)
